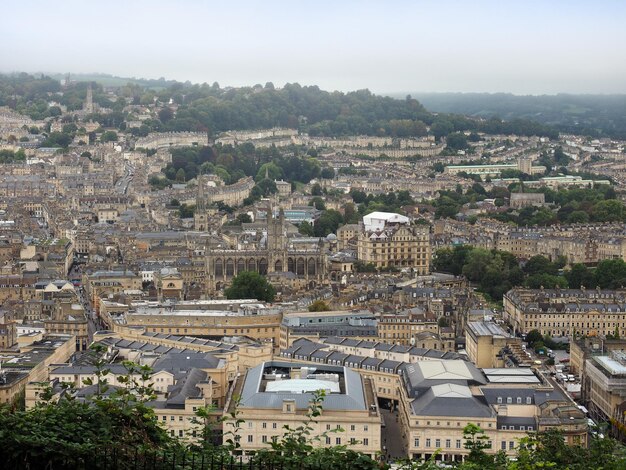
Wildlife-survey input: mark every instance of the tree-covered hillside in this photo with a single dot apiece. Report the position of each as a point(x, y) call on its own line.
point(593, 115)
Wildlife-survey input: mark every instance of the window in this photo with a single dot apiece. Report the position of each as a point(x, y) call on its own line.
point(328, 427)
point(509, 400)
point(180, 433)
point(529, 400)
point(264, 425)
point(511, 428)
point(365, 428)
point(530, 428)
point(352, 441)
point(249, 424)
point(489, 444)
point(519, 400)
point(499, 399)
point(522, 428)
point(338, 441)
point(366, 442)
point(164, 418)
point(417, 442)
point(288, 408)
point(437, 443)
point(250, 438)
point(273, 425)
point(352, 427)
point(448, 443)
point(458, 443)
point(503, 446)
point(172, 418)
point(427, 442)
point(511, 445)
point(180, 418)
point(327, 440)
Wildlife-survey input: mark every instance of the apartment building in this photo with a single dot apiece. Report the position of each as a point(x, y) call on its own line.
point(566, 312)
point(389, 240)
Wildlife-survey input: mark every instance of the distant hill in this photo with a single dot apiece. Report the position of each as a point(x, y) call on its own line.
point(114, 81)
point(593, 115)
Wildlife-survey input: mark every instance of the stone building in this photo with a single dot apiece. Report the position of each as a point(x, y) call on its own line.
point(566, 312)
point(391, 241)
point(266, 252)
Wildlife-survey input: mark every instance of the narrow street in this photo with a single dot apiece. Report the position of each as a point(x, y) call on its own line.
point(392, 436)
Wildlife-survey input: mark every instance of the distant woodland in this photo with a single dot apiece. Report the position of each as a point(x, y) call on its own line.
point(211, 108)
point(592, 115)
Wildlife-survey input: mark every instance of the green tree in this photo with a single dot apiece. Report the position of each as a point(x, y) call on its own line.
point(305, 228)
point(580, 275)
point(273, 171)
point(327, 223)
point(318, 203)
point(533, 336)
point(109, 136)
point(250, 285)
point(540, 265)
point(327, 173)
point(319, 306)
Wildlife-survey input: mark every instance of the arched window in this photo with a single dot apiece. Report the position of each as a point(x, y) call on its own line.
point(219, 267)
point(300, 267)
point(278, 266)
point(291, 266)
point(311, 268)
point(263, 266)
point(230, 267)
point(241, 265)
point(252, 265)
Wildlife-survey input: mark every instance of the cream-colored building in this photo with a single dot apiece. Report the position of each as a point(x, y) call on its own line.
point(566, 312)
point(484, 342)
point(215, 318)
point(278, 394)
point(391, 241)
point(439, 398)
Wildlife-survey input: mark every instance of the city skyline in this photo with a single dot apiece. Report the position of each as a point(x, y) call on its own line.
point(564, 47)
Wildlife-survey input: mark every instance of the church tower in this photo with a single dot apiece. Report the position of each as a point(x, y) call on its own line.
point(200, 219)
point(89, 107)
point(276, 240)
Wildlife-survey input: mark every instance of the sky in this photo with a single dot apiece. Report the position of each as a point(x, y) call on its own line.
point(388, 46)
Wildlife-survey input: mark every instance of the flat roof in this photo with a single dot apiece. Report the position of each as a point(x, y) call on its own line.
point(302, 386)
point(611, 365)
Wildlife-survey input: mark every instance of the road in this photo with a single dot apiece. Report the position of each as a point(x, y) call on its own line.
point(392, 436)
point(121, 185)
point(93, 324)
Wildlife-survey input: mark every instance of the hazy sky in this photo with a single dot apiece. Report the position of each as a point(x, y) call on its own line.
point(519, 46)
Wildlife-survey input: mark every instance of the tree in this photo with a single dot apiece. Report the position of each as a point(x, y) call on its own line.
point(327, 223)
point(580, 275)
point(533, 336)
point(540, 265)
point(109, 136)
point(456, 141)
point(305, 228)
point(319, 306)
point(318, 203)
point(316, 190)
point(166, 115)
point(250, 285)
point(180, 175)
point(476, 441)
point(273, 171)
point(327, 173)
